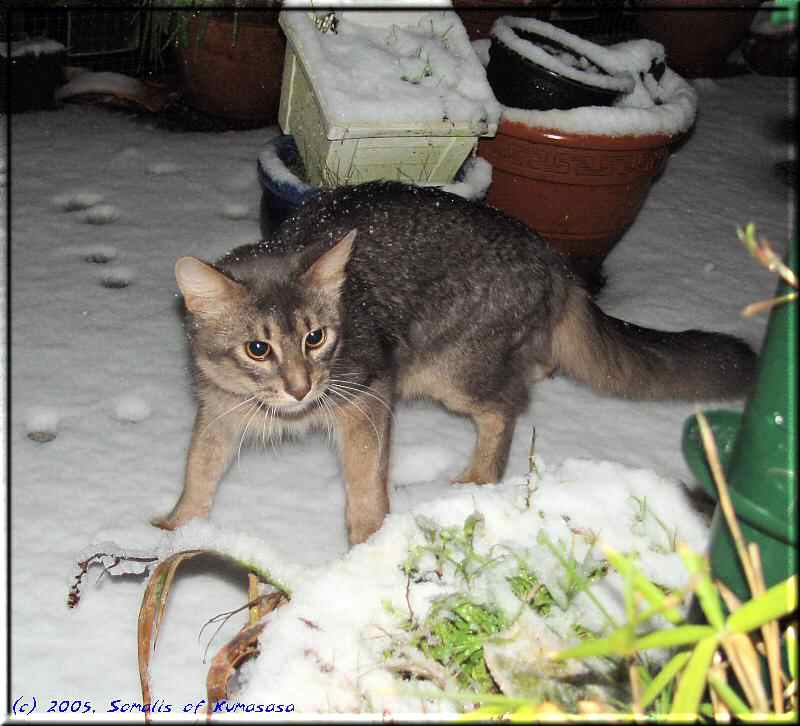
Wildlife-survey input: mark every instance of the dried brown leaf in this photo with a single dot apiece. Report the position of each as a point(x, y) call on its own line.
point(224, 664)
point(746, 665)
point(150, 613)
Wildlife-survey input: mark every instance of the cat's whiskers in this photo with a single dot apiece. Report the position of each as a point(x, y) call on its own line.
point(266, 434)
point(365, 390)
point(253, 413)
point(350, 399)
point(329, 414)
point(225, 413)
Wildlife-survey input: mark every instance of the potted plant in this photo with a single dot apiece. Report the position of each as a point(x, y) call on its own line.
point(31, 68)
point(229, 62)
point(479, 16)
point(579, 176)
point(698, 35)
point(410, 109)
point(282, 179)
point(770, 48)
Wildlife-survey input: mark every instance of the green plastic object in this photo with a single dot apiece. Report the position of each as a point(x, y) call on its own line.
point(785, 13)
point(758, 452)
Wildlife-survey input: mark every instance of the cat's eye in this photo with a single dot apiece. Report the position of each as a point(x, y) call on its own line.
point(315, 338)
point(257, 349)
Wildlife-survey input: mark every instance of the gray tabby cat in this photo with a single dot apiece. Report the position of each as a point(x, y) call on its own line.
point(383, 291)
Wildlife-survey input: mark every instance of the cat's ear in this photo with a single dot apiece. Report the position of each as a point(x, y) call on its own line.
point(327, 273)
point(204, 289)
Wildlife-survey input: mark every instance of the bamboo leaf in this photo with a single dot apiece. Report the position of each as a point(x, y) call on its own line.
point(650, 591)
point(693, 681)
point(736, 705)
point(671, 637)
point(790, 717)
point(665, 675)
point(791, 651)
point(698, 568)
point(619, 643)
point(746, 666)
point(776, 602)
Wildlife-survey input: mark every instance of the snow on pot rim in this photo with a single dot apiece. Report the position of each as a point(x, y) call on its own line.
point(667, 105)
point(287, 190)
point(594, 67)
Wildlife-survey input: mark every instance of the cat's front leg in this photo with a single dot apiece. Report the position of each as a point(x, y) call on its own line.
point(364, 427)
point(210, 452)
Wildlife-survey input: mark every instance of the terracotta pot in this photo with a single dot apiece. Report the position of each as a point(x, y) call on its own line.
point(478, 16)
point(578, 192)
point(236, 75)
point(698, 35)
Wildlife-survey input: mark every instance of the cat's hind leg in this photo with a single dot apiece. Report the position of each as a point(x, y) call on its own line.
point(495, 429)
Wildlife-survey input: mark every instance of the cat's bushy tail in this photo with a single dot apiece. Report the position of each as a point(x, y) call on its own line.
point(623, 359)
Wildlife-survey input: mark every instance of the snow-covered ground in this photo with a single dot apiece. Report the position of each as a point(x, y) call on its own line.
point(103, 205)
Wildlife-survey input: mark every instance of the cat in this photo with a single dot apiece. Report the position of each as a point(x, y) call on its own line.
point(383, 291)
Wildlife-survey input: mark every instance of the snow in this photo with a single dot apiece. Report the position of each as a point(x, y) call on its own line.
point(106, 368)
point(579, 69)
point(477, 176)
point(648, 106)
point(349, 611)
point(412, 67)
point(34, 46)
point(101, 82)
point(131, 408)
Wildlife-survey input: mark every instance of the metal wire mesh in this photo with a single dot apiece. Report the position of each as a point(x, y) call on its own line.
point(99, 39)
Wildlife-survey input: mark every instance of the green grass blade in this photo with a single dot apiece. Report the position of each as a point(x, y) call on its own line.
point(693, 680)
point(665, 675)
point(619, 643)
point(776, 602)
point(729, 697)
point(671, 637)
point(707, 594)
point(651, 592)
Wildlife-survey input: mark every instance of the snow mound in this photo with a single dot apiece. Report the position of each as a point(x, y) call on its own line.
point(131, 409)
point(325, 651)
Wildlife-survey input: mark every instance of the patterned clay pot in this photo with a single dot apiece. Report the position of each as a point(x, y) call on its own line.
point(235, 74)
point(578, 192)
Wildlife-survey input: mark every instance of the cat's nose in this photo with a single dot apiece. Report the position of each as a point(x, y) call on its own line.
point(298, 389)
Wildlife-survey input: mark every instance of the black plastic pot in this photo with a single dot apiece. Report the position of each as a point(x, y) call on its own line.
point(521, 82)
point(283, 192)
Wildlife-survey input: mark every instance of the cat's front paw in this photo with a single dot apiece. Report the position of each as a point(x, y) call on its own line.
point(166, 522)
point(172, 521)
point(473, 476)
